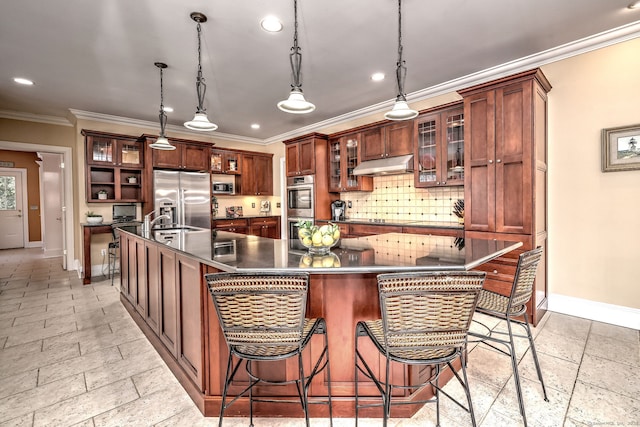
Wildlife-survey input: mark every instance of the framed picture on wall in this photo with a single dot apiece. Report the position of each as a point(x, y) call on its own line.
point(621, 148)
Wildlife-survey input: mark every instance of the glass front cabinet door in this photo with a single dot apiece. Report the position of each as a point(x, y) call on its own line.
point(344, 156)
point(440, 149)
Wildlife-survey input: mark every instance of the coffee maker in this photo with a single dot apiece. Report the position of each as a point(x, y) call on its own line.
point(338, 208)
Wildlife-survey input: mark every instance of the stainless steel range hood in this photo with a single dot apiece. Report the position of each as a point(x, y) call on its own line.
point(387, 166)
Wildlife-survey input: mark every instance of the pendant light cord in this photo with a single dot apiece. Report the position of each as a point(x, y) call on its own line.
point(162, 115)
point(201, 86)
point(295, 57)
point(401, 69)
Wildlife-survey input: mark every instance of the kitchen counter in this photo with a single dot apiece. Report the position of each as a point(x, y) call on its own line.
point(164, 290)
point(391, 252)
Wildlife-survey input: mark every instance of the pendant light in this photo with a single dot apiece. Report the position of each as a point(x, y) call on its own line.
point(400, 110)
point(162, 143)
point(296, 104)
point(200, 121)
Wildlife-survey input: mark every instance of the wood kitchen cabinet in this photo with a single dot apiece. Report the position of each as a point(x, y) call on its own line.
point(234, 225)
point(114, 166)
point(188, 155)
point(301, 154)
point(506, 165)
point(225, 162)
point(439, 159)
point(344, 156)
point(390, 140)
point(265, 227)
point(258, 179)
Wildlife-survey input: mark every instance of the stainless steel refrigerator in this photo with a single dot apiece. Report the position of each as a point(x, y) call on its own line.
point(184, 196)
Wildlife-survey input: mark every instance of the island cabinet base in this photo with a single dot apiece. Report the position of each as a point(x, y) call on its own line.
point(342, 300)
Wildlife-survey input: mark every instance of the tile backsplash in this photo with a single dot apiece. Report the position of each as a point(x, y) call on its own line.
point(395, 197)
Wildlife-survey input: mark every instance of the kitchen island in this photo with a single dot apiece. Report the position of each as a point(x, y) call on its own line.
point(163, 288)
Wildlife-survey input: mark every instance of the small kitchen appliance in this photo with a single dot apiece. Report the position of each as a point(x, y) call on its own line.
point(338, 208)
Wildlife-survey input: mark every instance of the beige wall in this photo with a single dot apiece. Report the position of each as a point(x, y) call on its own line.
point(594, 233)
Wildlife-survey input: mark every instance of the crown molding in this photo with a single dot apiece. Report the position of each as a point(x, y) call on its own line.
point(38, 118)
point(107, 118)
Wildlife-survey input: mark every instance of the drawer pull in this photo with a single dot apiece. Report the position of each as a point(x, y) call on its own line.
point(495, 271)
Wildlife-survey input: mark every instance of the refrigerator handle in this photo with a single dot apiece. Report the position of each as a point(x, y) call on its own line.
point(182, 206)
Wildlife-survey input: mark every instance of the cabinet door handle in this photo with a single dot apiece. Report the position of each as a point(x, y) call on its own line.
point(495, 271)
point(498, 161)
point(438, 183)
point(490, 161)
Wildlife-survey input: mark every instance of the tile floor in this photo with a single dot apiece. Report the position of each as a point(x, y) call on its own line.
point(70, 355)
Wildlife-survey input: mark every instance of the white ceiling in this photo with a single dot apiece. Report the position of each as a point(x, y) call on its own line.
point(98, 56)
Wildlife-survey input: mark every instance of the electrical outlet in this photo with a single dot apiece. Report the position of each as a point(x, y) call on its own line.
point(103, 252)
point(277, 204)
point(253, 205)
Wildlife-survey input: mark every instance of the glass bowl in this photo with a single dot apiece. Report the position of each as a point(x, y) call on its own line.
point(318, 240)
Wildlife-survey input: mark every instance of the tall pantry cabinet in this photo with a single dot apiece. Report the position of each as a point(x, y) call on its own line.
point(506, 173)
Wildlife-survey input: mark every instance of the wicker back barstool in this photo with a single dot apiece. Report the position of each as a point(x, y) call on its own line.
point(509, 309)
point(262, 316)
point(425, 320)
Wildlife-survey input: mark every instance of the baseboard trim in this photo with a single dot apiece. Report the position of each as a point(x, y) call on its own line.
point(37, 244)
point(608, 313)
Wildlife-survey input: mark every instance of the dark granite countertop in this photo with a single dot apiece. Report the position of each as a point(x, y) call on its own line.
point(372, 254)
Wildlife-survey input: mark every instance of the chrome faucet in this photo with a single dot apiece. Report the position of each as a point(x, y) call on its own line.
point(148, 222)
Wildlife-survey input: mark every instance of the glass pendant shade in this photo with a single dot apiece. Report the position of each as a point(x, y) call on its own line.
point(162, 143)
point(200, 122)
point(296, 104)
point(400, 111)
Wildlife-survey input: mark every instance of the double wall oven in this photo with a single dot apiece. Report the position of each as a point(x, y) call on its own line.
point(300, 204)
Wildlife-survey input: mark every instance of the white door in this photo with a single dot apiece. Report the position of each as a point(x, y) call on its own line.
point(11, 210)
point(52, 196)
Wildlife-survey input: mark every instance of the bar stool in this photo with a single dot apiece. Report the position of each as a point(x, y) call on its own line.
point(508, 309)
point(262, 316)
point(425, 321)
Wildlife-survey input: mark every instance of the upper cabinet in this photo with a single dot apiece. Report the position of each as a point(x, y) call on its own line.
point(114, 167)
point(391, 140)
point(505, 156)
point(225, 162)
point(344, 156)
point(439, 159)
point(113, 150)
point(190, 156)
point(301, 154)
point(257, 180)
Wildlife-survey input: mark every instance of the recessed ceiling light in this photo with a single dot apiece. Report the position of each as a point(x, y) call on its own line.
point(271, 24)
point(634, 5)
point(255, 126)
point(167, 109)
point(376, 77)
point(23, 81)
